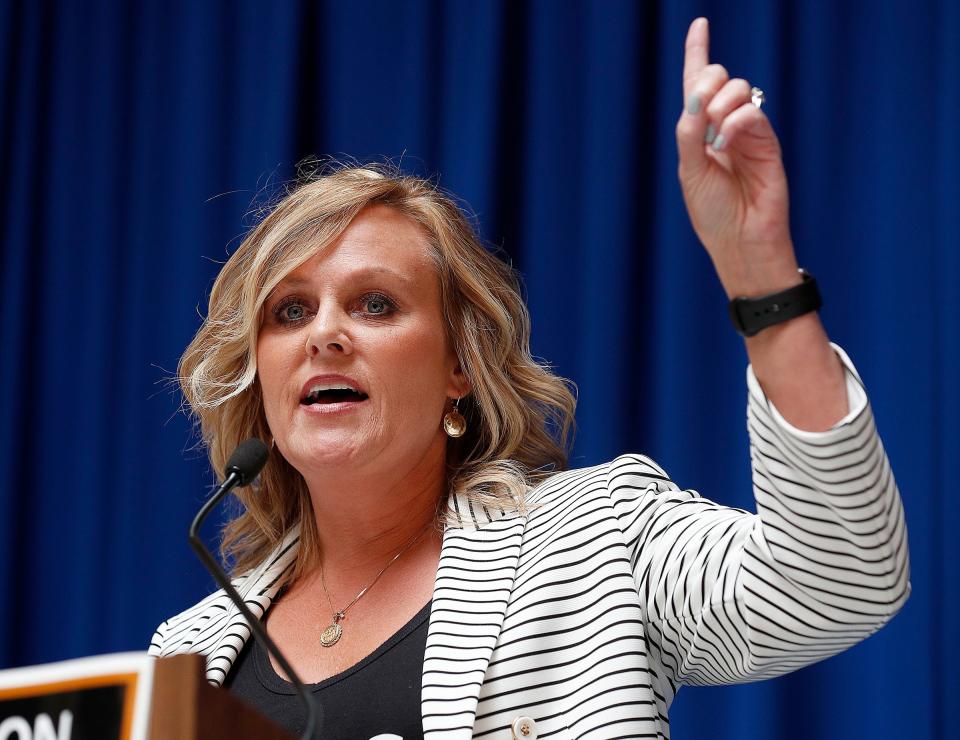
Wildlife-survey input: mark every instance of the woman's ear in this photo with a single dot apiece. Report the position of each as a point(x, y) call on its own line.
point(460, 384)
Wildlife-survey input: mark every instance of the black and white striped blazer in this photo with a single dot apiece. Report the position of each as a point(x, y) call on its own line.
point(586, 614)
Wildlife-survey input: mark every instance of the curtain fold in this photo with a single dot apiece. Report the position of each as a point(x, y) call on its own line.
point(137, 142)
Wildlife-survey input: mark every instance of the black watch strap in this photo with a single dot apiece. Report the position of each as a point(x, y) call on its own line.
point(751, 315)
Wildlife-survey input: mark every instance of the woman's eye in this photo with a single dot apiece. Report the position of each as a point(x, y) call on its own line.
point(377, 305)
point(290, 312)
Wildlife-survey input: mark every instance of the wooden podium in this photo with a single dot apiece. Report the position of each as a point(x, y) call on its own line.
point(185, 707)
point(125, 696)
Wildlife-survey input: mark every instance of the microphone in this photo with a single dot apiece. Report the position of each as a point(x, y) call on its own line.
point(247, 461)
point(244, 465)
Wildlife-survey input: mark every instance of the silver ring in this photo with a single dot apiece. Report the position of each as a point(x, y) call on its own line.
point(757, 97)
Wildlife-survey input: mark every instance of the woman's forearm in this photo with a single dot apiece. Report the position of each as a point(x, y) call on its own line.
point(800, 373)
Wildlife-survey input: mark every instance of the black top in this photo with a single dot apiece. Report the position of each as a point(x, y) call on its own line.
point(378, 695)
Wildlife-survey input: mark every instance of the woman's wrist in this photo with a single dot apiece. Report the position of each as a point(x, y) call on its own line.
point(753, 278)
point(800, 373)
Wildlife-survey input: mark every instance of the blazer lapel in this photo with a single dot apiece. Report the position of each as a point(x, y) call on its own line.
point(478, 563)
point(258, 589)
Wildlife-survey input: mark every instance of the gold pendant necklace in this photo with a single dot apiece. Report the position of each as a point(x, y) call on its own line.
point(332, 634)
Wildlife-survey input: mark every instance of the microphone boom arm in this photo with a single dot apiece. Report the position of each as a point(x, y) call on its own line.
point(233, 478)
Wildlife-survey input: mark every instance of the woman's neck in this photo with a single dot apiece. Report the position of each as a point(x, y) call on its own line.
point(362, 521)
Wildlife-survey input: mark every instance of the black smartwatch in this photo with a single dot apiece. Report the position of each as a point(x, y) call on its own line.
point(752, 315)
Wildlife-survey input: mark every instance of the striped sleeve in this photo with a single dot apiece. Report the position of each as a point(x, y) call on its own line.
point(731, 596)
point(214, 627)
point(156, 642)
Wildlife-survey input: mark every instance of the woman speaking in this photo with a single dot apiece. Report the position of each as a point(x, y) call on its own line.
point(415, 544)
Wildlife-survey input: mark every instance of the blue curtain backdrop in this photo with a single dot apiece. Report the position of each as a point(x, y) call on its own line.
point(134, 138)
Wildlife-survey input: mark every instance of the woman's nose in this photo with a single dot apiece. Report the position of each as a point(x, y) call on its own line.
point(328, 334)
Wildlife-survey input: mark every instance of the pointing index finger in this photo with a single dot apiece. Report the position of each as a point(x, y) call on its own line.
point(697, 54)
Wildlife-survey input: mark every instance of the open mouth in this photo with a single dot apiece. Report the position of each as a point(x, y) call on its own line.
point(326, 395)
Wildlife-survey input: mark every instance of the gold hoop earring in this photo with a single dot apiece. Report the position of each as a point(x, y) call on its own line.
point(453, 422)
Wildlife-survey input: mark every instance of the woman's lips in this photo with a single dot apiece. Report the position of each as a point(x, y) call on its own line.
point(330, 380)
point(332, 408)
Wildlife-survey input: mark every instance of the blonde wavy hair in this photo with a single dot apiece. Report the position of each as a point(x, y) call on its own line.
point(519, 413)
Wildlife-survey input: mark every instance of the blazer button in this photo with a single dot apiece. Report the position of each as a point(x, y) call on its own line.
point(524, 728)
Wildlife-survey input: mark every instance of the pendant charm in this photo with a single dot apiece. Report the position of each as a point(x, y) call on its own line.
point(330, 636)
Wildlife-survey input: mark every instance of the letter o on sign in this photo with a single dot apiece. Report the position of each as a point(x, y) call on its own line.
point(15, 728)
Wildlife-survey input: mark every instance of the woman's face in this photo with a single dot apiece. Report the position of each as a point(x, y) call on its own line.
point(353, 357)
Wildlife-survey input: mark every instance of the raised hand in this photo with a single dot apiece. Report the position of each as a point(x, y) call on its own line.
point(736, 193)
point(732, 176)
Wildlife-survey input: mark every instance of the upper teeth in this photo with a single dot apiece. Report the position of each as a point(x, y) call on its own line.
point(330, 387)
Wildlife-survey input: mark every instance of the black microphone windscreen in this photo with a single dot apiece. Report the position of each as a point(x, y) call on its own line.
point(248, 460)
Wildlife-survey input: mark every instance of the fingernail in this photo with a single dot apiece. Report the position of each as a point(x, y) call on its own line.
point(711, 134)
point(718, 143)
point(693, 104)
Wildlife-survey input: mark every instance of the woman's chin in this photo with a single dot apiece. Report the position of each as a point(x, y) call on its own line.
point(327, 455)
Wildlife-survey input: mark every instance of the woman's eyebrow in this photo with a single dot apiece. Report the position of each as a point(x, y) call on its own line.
point(294, 281)
point(380, 271)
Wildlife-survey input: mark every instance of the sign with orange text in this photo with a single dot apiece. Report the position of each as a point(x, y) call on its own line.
point(106, 697)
